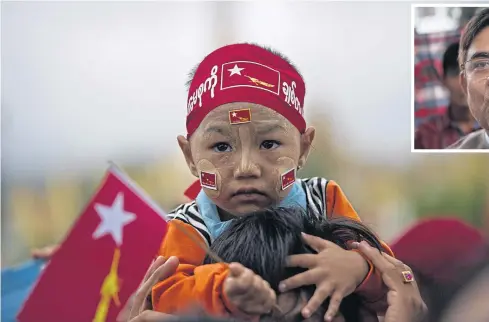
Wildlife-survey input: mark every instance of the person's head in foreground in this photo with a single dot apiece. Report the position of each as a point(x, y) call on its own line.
point(469, 300)
point(458, 109)
point(262, 241)
point(246, 133)
point(474, 66)
point(441, 251)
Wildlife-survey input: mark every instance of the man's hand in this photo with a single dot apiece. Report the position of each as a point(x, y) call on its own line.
point(404, 301)
point(248, 291)
point(336, 272)
point(137, 309)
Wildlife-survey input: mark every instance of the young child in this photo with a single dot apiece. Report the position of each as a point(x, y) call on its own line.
point(246, 139)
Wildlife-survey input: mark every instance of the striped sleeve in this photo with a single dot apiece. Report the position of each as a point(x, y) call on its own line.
point(189, 214)
point(315, 189)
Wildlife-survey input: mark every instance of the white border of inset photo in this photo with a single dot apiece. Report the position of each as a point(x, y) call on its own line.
point(413, 127)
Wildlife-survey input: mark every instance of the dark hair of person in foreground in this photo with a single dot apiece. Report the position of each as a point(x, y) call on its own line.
point(262, 241)
point(439, 295)
point(202, 318)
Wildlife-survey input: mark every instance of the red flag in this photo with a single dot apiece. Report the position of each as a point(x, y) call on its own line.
point(250, 74)
point(240, 116)
point(103, 259)
point(208, 180)
point(288, 179)
point(193, 191)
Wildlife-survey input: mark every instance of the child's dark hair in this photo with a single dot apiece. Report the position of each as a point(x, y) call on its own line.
point(262, 241)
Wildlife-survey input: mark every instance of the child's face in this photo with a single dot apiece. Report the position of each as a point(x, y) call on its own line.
point(248, 159)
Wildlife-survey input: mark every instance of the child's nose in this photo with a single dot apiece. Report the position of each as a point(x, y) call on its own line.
point(247, 167)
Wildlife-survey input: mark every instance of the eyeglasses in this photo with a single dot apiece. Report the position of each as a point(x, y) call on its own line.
point(478, 65)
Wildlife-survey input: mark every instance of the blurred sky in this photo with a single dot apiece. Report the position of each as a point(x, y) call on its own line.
point(84, 82)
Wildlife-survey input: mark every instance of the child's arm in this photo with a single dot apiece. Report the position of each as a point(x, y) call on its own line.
point(193, 284)
point(372, 288)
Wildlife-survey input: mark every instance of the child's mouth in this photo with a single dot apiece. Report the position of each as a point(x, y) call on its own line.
point(249, 195)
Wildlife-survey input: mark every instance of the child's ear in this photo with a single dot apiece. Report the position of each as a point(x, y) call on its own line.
point(187, 153)
point(306, 143)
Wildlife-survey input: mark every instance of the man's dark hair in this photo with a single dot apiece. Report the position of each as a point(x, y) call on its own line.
point(262, 241)
point(277, 53)
point(450, 60)
point(473, 28)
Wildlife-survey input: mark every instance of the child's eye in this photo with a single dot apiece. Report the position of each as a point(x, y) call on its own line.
point(222, 147)
point(270, 144)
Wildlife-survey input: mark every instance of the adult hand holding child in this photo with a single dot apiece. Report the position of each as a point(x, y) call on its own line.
point(403, 298)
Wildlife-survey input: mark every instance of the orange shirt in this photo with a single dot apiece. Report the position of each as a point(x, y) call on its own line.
point(196, 284)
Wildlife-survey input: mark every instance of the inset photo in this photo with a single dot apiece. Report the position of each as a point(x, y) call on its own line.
point(451, 78)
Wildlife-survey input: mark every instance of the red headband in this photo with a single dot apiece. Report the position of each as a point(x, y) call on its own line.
point(245, 73)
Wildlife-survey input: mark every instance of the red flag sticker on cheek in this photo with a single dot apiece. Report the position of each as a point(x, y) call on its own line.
point(288, 179)
point(240, 116)
point(208, 180)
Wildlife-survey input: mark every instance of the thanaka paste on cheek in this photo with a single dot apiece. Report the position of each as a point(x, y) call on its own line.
point(285, 168)
point(207, 170)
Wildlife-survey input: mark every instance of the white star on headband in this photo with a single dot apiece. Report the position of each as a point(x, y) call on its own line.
point(235, 70)
point(234, 114)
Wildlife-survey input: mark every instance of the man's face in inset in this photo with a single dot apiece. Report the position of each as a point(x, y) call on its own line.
point(475, 78)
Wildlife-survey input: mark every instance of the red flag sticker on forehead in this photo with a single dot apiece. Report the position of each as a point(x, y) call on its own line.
point(240, 116)
point(250, 74)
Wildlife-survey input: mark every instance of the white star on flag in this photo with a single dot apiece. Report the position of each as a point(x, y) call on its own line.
point(235, 70)
point(114, 218)
point(234, 114)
